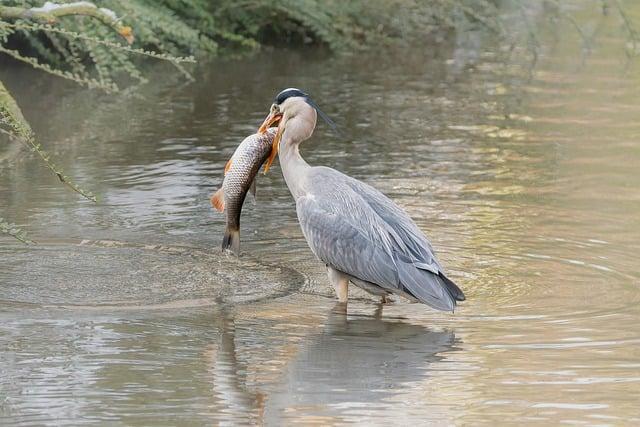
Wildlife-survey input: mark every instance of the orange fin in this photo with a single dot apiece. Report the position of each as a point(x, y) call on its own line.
point(217, 200)
point(274, 149)
point(270, 160)
point(228, 166)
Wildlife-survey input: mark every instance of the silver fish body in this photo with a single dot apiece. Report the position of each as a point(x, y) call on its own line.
point(239, 178)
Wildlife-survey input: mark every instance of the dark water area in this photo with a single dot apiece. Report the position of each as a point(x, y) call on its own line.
point(524, 174)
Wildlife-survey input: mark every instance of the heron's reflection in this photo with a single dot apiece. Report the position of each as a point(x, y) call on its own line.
point(353, 363)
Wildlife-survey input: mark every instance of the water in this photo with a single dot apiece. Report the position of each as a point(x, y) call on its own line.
point(526, 181)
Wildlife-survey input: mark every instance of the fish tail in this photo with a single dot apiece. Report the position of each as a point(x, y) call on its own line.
point(231, 240)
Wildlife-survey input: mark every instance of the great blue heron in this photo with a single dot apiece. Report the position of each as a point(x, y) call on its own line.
point(359, 233)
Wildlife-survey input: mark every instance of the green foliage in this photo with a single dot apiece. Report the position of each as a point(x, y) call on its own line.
point(203, 27)
point(88, 47)
point(341, 25)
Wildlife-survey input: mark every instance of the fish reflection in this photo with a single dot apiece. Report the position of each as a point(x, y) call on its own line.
point(354, 364)
point(229, 382)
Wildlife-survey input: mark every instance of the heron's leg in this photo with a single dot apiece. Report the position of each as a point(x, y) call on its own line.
point(340, 282)
point(338, 312)
point(377, 314)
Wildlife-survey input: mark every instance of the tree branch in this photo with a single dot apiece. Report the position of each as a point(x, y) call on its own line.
point(11, 114)
point(50, 12)
point(10, 109)
point(14, 231)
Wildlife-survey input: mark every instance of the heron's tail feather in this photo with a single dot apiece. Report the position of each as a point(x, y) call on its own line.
point(231, 240)
point(428, 288)
point(453, 289)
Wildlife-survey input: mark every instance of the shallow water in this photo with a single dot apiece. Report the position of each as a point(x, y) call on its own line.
point(525, 176)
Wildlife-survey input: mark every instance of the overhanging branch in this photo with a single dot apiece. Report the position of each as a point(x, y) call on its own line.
point(51, 12)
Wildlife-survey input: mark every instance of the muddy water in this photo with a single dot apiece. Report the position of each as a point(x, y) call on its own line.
point(525, 175)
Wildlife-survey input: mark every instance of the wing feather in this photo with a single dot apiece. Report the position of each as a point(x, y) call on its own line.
point(359, 231)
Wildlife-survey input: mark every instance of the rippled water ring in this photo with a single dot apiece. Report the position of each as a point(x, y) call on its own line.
point(121, 275)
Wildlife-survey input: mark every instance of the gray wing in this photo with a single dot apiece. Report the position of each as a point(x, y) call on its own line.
point(359, 231)
point(411, 241)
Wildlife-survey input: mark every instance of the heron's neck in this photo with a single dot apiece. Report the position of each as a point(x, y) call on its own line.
point(294, 167)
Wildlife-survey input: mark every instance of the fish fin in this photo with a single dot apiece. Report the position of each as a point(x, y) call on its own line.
point(231, 241)
point(228, 165)
point(252, 189)
point(274, 149)
point(217, 200)
point(267, 164)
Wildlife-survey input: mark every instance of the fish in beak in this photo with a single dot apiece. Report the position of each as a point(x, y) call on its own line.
point(274, 117)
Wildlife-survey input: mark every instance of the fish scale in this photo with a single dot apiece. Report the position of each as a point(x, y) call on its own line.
point(240, 174)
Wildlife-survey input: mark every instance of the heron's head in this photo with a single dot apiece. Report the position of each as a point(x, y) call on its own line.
point(295, 112)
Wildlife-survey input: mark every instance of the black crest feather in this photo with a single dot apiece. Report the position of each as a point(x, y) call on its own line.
point(292, 91)
point(289, 93)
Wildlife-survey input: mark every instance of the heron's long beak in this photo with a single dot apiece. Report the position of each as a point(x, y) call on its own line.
point(273, 118)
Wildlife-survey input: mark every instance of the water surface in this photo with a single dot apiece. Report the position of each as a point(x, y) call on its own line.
point(524, 175)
